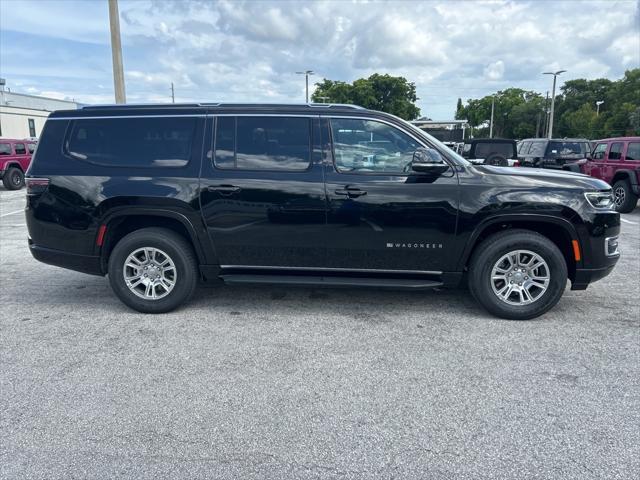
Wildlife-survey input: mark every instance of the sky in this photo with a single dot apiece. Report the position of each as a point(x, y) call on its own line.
point(249, 51)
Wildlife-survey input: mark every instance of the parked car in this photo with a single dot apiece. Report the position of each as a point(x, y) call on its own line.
point(617, 162)
point(490, 151)
point(15, 157)
point(556, 153)
point(160, 197)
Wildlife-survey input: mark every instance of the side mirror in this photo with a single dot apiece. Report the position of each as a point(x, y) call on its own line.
point(428, 160)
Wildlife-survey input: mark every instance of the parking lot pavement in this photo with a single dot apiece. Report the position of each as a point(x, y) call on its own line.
point(268, 382)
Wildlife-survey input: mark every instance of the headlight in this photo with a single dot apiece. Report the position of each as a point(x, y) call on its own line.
point(600, 200)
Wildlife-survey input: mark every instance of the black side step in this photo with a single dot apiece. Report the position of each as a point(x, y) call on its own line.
point(322, 281)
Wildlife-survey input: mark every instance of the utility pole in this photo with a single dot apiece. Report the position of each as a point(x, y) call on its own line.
point(306, 74)
point(116, 52)
point(553, 99)
point(493, 104)
point(173, 94)
point(598, 103)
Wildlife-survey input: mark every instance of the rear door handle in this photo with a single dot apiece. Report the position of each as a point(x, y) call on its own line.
point(224, 189)
point(351, 192)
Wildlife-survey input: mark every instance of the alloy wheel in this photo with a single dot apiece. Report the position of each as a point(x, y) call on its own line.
point(520, 277)
point(150, 273)
point(619, 196)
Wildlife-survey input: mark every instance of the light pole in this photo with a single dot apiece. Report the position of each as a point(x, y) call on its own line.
point(553, 99)
point(116, 52)
point(306, 74)
point(493, 104)
point(598, 103)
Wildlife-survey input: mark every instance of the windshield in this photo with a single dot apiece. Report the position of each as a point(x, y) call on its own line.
point(567, 149)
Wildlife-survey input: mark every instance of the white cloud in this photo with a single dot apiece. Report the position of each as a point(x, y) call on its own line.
point(249, 51)
point(494, 71)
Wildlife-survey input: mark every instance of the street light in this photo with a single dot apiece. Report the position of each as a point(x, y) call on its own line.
point(598, 103)
point(553, 99)
point(306, 74)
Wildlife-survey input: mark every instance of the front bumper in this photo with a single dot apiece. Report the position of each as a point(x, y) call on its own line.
point(597, 241)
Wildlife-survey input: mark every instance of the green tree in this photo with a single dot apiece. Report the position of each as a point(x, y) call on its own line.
point(389, 94)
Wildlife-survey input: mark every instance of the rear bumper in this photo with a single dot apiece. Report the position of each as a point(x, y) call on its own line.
point(72, 261)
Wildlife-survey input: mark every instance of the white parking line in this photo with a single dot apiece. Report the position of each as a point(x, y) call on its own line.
point(11, 213)
point(628, 221)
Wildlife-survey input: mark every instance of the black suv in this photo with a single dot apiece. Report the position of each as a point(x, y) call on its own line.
point(161, 197)
point(499, 152)
point(557, 153)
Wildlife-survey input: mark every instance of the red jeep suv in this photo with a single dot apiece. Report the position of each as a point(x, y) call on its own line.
point(15, 157)
point(617, 162)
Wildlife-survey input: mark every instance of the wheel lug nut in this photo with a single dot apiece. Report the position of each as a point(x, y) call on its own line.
point(520, 284)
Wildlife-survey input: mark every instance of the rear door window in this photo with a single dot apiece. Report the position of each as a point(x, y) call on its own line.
point(263, 143)
point(133, 142)
point(633, 151)
point(615, 152)
point(20, 149)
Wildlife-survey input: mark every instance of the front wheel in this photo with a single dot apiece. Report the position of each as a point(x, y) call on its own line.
point(153, 270)
point(623, 197)
point(13, 179)
point(517, 274)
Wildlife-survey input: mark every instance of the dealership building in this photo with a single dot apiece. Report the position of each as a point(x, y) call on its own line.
point(23, 116)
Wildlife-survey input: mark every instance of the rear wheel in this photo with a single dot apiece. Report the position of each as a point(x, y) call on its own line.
point(153, 270)
point(624, 198)
point(517, 274)
point(13, 179)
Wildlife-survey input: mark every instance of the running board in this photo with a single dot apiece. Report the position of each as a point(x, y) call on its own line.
point(325, 281)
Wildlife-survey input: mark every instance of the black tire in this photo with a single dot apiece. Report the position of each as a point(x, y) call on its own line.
point(492, 249)
point(497, 161)
point(624, 198)
point(13, 178)
point(176, 248)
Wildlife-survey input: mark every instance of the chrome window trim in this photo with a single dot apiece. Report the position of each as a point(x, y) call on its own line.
point(330, 269)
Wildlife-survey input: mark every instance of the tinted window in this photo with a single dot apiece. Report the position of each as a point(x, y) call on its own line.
point(369, 146)
point(5, 149)
point(524, 147)
point(31, 147)
point(567, 149)
point(537, 149)
point(485, 150)
point(20, 149)
point(598, 152)
point(615, 152)
point(133, 142)
point(633, 151)
point(263, 143)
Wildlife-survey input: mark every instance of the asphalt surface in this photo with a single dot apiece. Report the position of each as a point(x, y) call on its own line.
point(265, 382)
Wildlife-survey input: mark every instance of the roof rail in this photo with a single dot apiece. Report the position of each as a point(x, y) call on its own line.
point(336, 105)
point(219, 104)
point(138, 105)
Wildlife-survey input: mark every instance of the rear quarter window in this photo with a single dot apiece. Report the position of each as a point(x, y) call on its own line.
point(5, 149)
point(633, 151)
point(132, 142)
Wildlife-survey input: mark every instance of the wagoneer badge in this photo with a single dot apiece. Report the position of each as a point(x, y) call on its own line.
point(414, 245)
